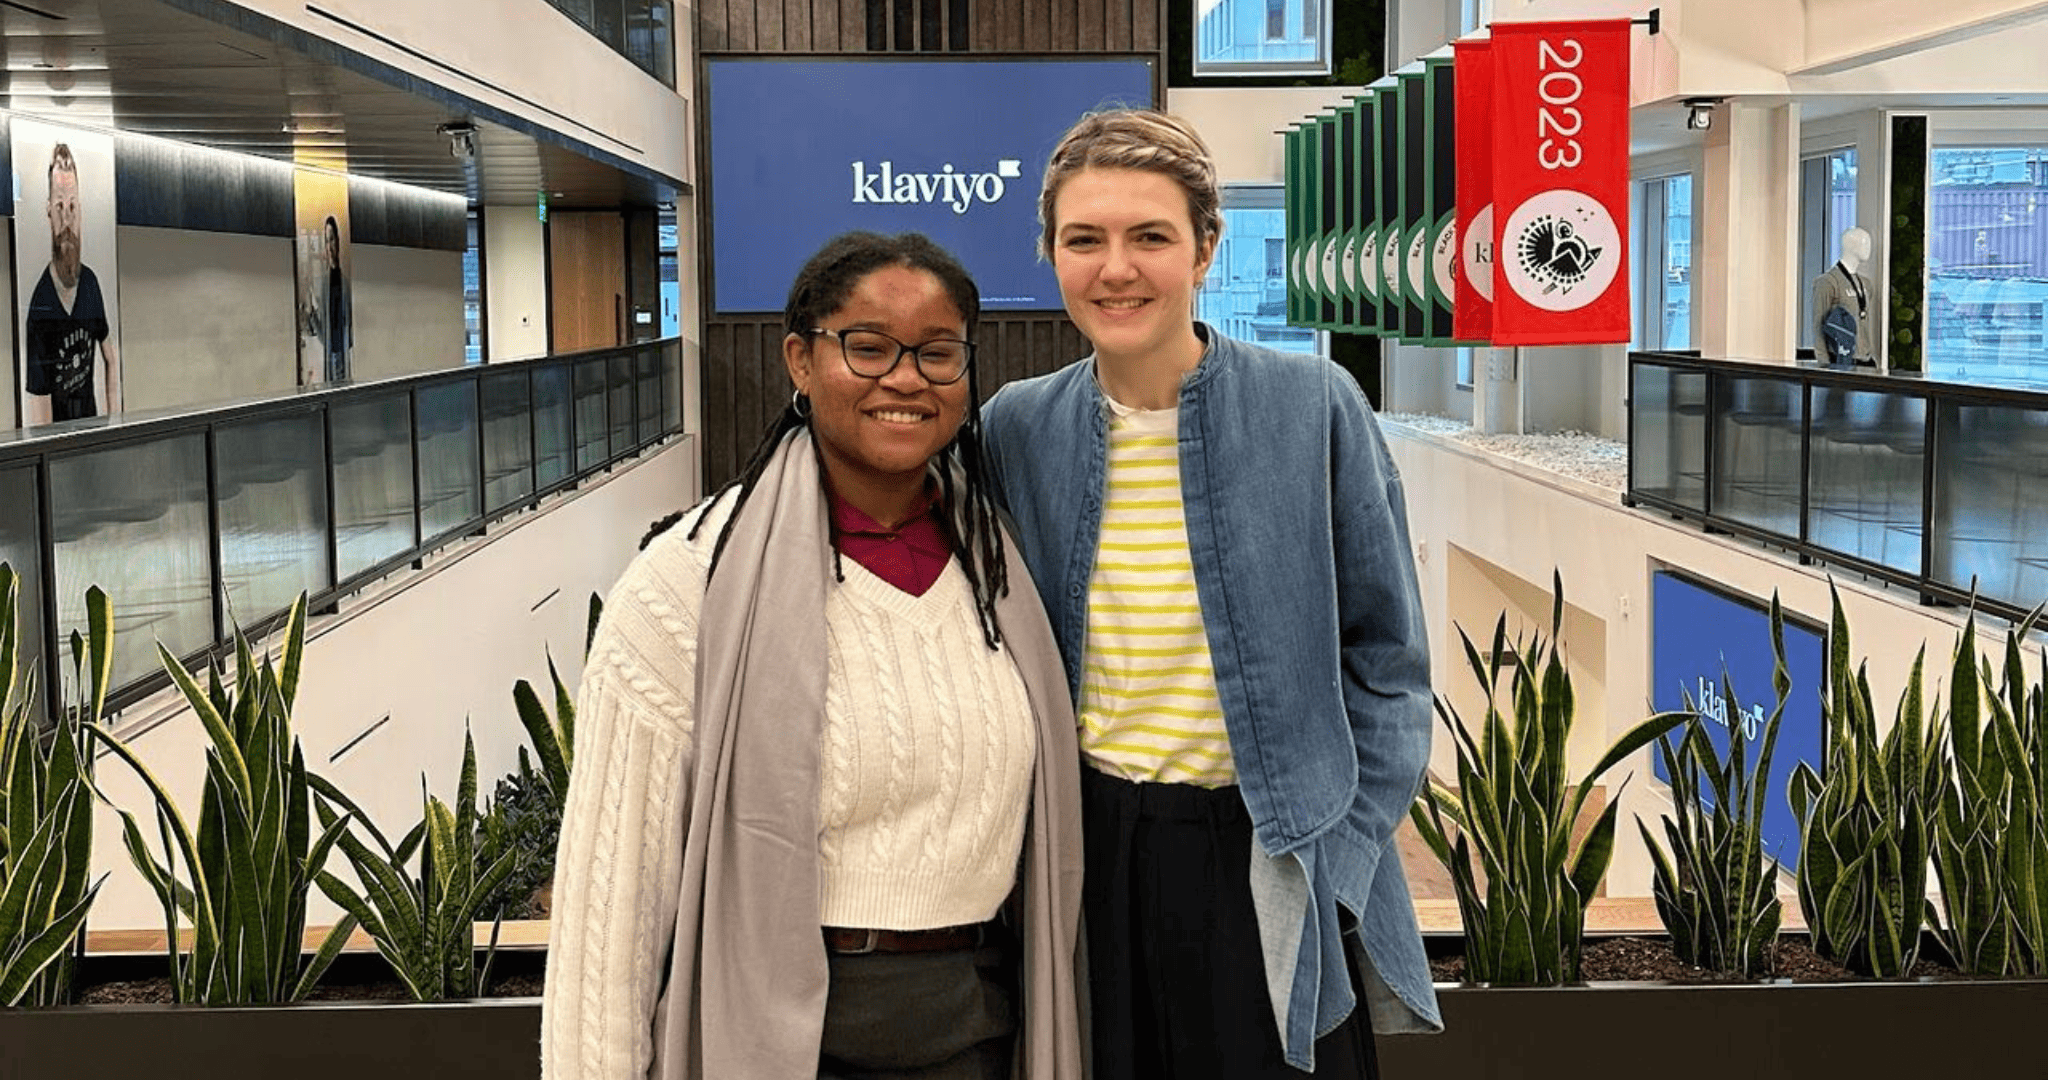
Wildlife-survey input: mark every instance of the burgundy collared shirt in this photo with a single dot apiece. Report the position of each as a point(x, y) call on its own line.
point(911, 556)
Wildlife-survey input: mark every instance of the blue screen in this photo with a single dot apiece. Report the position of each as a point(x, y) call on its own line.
point(804, 150)
point(1699, 635)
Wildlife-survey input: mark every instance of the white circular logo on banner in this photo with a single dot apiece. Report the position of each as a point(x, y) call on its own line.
point(1418, 264)
point(1330, 267)
point(1347, 262)
point(1443, 260)
point(1479, 253)
point(1368, 269)
point(1390, 264)
point(1562, 250)
point(1294, 268)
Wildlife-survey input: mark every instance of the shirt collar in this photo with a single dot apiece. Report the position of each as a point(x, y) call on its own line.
point(850, 519)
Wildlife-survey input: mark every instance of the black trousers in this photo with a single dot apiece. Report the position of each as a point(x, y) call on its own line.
point(1176, 978)
point(921, 1016)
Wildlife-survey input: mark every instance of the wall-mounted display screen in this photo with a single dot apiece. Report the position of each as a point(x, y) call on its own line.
point(955, 149)
point(1704, 642)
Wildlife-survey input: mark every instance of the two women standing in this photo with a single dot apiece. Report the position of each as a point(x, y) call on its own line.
point(827, 820)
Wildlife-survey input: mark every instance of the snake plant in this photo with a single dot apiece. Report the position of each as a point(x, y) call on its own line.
point(241, 879)
point(46, 808)
point(1716, 893)
point(1990, 836)
point(1866, 818)
point(1512, 813)
point(423, 925)
point(554, 736)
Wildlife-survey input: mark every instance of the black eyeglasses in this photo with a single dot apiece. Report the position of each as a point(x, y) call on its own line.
point(872, 354)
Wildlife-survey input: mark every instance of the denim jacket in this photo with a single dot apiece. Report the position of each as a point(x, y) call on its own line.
point(1303, 567)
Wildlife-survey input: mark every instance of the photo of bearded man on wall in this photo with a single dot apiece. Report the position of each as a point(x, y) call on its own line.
point(71, 363)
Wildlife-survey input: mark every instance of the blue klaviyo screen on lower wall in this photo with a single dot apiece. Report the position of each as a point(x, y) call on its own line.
point(803, 150)
point(1700, 637)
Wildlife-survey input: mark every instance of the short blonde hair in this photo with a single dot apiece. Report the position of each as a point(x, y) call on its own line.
point(1144, 139)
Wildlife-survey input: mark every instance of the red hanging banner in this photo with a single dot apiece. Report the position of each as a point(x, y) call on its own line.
point(1472, 318)
point(1560, 182)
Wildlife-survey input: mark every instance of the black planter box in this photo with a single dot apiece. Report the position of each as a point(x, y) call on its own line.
point(495, 1038)
point(1754, 1031)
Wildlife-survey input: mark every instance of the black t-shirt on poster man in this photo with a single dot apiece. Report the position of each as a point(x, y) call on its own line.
point(61, 346)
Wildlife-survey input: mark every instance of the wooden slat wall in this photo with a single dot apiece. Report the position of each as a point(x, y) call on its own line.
point(744, 385)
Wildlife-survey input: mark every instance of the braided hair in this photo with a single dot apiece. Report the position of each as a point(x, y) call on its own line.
point(969, 518)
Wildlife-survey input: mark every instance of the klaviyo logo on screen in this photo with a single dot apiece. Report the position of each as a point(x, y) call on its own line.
point(959, 190)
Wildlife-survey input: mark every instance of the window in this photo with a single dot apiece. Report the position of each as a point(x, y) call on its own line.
point(640, 30)
point(1987, 263)
point(1664, 316)
point(1261, 37)
point(473, 294)
point(1827, 206)
point(1245, 294)
point(671, 283)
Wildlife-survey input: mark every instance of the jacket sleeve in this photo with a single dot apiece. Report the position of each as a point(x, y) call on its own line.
point(1384, 641)
point(619, 864)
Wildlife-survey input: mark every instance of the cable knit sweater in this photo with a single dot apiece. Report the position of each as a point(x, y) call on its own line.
point(926, 758)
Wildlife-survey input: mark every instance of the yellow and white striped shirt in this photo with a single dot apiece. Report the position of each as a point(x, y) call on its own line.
point(1149, 710)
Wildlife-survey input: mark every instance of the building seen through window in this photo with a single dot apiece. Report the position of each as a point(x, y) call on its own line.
point(1261, 37)
point(1245, 294)
point(1987, 263)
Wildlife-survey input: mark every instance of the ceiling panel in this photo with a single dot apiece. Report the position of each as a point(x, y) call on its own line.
point(172, 74)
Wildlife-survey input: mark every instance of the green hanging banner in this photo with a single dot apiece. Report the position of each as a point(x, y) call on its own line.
point(1345, 249)
point(1414, 218)
point(1440, 211)
point(1387, 181)
point(1290, 141)
point(1365, 259)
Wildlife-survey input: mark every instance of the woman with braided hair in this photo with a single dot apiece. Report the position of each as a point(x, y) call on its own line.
point(824, 818)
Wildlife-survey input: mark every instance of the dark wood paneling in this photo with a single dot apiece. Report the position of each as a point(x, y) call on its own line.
point(1146, 19)
point(768, 26)
point(825, 25)
point(1089, 23)
point(1116, 24)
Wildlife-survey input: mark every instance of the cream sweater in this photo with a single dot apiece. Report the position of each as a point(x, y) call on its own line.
point(925, 758)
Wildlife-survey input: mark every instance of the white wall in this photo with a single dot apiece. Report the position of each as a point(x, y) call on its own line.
point(407, 307)
point(1471, 513)
point(1242, 126)
point(524, 48)
point(515, 282)
point(205, 317)
point(446, 646)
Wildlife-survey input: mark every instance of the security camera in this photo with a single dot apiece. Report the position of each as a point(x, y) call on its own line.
point(461, 135)
point(1699, 115)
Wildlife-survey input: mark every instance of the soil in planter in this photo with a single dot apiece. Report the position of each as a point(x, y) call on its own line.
point(354, 977)
point(1642, 959)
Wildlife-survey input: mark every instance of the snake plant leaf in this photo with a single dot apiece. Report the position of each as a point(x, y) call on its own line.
point(210, 718)
point(330, 947)
point(18, 972)
point(1595, 852)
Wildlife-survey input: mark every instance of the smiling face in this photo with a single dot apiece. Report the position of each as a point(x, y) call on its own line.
point(1129, 264)
point(875, 435)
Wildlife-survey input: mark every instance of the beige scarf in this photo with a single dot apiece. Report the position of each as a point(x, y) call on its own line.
point(745, 997)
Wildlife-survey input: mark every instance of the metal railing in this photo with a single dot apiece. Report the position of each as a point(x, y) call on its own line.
point(196, 521)
point(1938, 487)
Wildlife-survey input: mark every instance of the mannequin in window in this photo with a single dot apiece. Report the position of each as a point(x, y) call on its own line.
point(1844, 306)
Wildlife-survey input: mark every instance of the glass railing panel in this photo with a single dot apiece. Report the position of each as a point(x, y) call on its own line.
point(271, 490)
point(1668, 444)
point(508, 439)
point(1756, 452)
point(554, 456)
point(647, 397)
point(593, 431)
point(1866, 488)
point(1990, 526)
point(132, 519)
point(373, 503)
point(622, 374)
point(451, 486)
point(21, 545)
point(672, 386)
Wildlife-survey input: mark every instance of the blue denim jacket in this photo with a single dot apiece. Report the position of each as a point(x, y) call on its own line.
point(1303, 567)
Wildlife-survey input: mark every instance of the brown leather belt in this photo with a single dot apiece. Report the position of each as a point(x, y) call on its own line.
point(851, 942)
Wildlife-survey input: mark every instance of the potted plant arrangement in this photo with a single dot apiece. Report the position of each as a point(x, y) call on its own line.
point(1960, 789)
point(233, 885)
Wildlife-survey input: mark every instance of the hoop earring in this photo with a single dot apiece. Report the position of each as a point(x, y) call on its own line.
point(800, 404)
